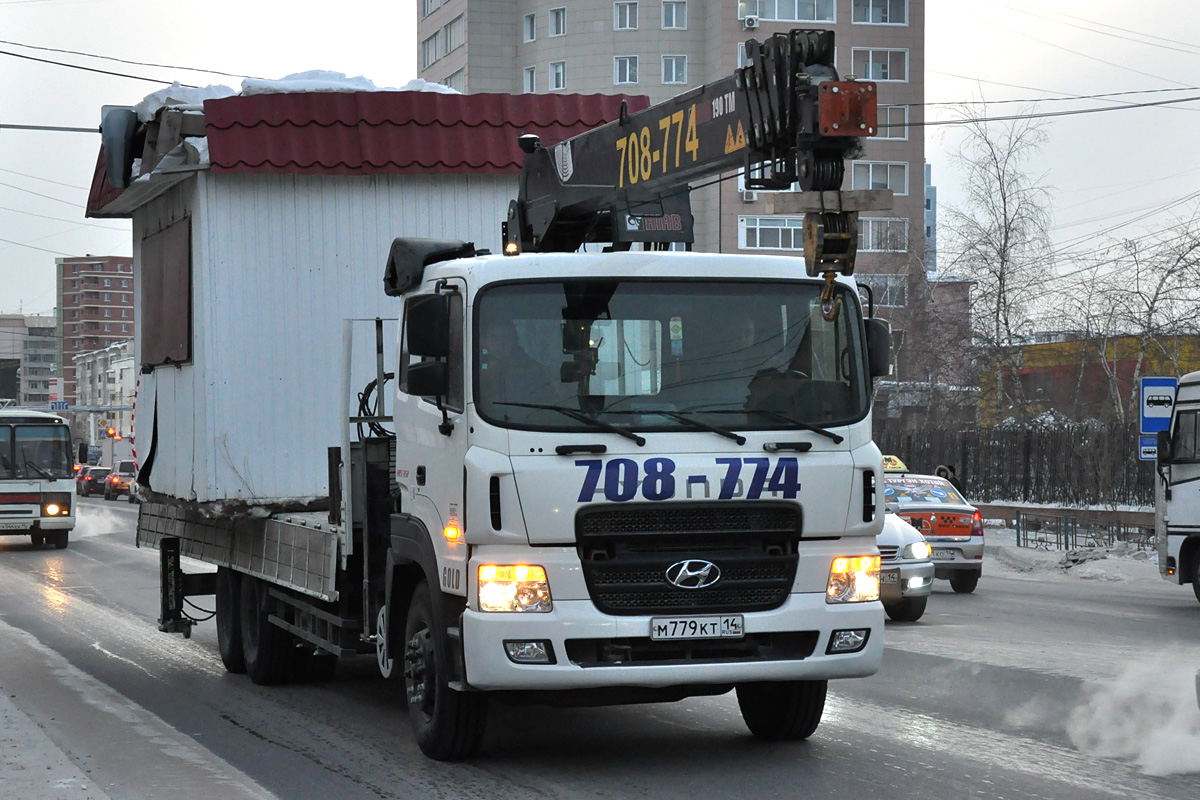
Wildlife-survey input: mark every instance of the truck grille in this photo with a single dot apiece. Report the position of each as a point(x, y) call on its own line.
point(627, 551)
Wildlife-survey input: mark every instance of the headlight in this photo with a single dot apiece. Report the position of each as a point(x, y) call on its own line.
point(57, 504)
point(917, 550)
point(853, 579)
point(513, 588)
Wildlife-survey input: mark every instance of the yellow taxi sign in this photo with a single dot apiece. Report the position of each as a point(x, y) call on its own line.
point(893, 464)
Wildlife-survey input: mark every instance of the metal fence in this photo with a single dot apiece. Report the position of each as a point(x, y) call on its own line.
point(1077, 465)
point(1065, 531)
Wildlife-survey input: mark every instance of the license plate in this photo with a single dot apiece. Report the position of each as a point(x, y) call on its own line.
point(950, 554)
point(889, 577)
point(728, 626)
point(12, 526)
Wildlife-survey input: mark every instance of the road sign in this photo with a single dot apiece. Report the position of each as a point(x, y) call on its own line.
point(1148, 448)
point(1158, 398)
point(60, 405)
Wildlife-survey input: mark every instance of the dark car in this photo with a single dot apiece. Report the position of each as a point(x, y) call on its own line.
point(80, 474)
point(93, 482)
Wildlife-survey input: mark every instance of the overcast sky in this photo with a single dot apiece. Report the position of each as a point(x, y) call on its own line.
point(1115, 172)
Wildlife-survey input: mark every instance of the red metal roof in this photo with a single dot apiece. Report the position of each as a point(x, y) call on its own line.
point(364, 133)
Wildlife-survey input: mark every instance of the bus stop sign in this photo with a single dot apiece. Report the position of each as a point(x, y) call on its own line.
point(1158, 399)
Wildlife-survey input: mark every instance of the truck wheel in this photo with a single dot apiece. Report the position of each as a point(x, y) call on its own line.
point(783, 711)
point(910, 609)
point(1196, 573)
point(446, 724)
point(229, 631)
point(59, 538)
point(383, 647)
point(266, 648)
point(964, 582)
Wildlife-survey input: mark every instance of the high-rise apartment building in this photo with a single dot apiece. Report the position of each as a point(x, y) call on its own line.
point(661, 48)
point(95, 309)
point(28, 353)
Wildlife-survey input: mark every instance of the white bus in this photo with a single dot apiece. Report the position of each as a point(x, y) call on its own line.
point(36, 476)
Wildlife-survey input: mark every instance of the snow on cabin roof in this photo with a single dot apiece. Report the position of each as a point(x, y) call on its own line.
point(322, 123)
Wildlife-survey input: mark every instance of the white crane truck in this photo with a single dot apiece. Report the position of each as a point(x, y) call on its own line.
point(619, 476)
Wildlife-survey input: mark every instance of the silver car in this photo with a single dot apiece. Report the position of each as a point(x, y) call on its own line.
point(952, 526)
point(905, 569)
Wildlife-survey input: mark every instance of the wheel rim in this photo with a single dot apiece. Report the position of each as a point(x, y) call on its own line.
point(420, 671)
point(383, 654)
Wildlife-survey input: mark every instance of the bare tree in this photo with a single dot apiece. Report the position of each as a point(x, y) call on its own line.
point(999, 238)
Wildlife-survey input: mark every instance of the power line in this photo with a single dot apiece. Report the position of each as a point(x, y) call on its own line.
point(1044, 114)
point(47, 180)
point(1193, 48)
point(92, 69)
point(125, 61)
point(60, 219)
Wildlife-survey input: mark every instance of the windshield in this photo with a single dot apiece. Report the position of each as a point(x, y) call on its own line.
point(667, 355)
point(922, 490)
point(35, 451)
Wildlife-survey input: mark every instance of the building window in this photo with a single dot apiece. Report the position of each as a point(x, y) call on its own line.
point(455, 33)
point(674, 69)
point(429, 6)
point(558, 22)
point(108, 312)
point(107, 327)
point(74, 268)
point(124, 328)
point(124, 298)
point(881, 12)
point(124, 283)
point(107, 297)
point(558, 75)
point(74, 284)
point(429, 51)
point(880, 65)
point(625, 16)
point(108, 281)
point(771, 233)
point(789, 10)
point(74, 329)
point(530, 80)
point(888, 290)
point(674, 15)
point(881, 175)
point(458, 81)
point(882, 235)
point(530, 27)
point(893, 122)
point(125, 313)
point(625, 69)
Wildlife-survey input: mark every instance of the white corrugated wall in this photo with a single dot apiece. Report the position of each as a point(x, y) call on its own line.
point(278, 262)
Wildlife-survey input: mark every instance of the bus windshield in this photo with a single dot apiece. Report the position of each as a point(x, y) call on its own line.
point(32, 451)
point(667, 354)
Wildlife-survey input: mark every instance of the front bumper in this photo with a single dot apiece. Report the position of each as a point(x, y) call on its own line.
point(573, 622)
point(24, 527)
point(905, 579)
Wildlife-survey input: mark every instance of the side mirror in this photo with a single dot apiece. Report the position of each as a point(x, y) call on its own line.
point(879, 347)
point(428, 379)
point(1164, 447)
point(427, 326)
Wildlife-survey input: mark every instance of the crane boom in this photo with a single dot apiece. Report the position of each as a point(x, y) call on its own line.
point(785, 118)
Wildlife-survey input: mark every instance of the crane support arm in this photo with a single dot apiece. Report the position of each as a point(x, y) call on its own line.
point(785, 118)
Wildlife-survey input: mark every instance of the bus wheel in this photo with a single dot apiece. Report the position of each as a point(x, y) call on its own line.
point(267, 648)
point(229, 631)
point(59, 538)
point(447, 724)
point(37, 539)
point(1196, 573)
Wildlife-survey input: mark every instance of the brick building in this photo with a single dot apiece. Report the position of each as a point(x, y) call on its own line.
point(95, 303)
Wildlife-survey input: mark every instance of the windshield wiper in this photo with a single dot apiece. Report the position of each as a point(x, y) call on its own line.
point(580, 416)
point(38, 470)
point(728, 434)
point(808, 426)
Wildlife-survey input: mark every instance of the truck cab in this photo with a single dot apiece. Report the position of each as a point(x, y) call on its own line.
point(643, 473)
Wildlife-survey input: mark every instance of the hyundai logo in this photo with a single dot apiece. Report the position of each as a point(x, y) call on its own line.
point(693, 574)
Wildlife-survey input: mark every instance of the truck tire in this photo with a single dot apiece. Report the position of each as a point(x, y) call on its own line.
point(447, 724)
point(964, 582)
point(267, 649)
point(229, 629)
point(59, 538)
point(910, 609)
point(782, 711)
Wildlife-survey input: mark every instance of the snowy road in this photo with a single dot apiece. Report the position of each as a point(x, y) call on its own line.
point(1040, 684)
